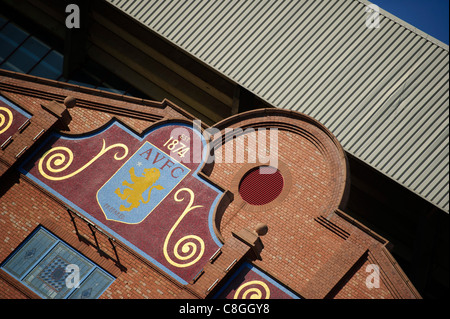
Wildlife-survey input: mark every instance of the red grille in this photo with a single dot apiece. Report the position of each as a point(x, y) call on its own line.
point(261, 185)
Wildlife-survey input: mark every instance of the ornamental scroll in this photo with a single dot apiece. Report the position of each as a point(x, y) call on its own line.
point(193, 247)
point(12, 118)
point(59, 159)
point(249, 282)
point(255, 289)
point(6, 118)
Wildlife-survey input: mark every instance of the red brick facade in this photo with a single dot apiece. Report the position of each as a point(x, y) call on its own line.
point(312, 248)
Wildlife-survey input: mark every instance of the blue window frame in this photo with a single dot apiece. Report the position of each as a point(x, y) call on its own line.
point(41, 261)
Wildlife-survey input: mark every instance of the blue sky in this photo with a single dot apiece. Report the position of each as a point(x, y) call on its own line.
point(430, 16)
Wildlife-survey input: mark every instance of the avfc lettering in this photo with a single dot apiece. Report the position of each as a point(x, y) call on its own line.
point(154, 156)
point(140, 185)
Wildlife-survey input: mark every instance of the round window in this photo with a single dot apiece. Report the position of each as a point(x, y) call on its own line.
point(261, 185)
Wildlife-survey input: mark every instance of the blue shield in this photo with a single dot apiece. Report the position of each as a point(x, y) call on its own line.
point(140, 185)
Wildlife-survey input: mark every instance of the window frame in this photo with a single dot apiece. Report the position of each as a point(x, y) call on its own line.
point(45, 254)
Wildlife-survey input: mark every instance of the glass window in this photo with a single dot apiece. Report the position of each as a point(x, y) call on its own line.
point(28, 54)
point(11, 37)
point(80, 77)
point(23, 52)
point(3, 21)
point(50, 67)
point(44, 263)
point(27, 255)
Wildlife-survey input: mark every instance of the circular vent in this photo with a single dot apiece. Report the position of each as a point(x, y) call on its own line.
point(261, 185)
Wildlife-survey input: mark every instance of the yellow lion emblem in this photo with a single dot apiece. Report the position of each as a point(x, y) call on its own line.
point(137, 187)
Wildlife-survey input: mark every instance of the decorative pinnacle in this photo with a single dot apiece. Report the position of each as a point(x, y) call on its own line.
point(70, 102)
point(261, 229)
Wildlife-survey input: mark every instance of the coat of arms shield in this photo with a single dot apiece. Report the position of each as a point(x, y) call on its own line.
point(140, 185)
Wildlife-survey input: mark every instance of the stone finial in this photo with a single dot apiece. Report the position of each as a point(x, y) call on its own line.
point(261, 229)
point(70, 102)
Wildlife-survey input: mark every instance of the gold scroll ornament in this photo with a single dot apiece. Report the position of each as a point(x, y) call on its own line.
point(58, 159)
point(253, 292)
point(8, 118)
point(193, 243)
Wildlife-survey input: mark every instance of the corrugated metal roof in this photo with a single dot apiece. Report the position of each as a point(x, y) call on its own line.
point(382, 91)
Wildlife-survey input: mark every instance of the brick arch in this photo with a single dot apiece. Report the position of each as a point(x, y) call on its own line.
point(302, 129)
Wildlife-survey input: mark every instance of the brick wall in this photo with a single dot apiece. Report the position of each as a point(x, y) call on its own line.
point(311, 247)
point(24, 205)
